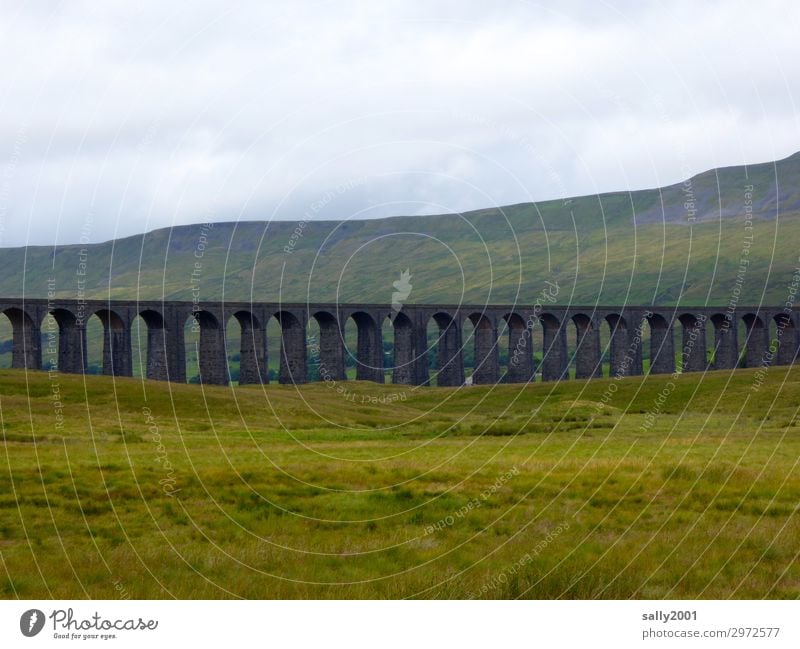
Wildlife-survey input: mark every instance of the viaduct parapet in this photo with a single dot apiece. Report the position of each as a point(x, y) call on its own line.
point(569, 339)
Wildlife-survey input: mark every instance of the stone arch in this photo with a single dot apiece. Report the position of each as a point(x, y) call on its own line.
point(486, 360)
point(64, 342)
point(252, 348)
point(756, 340)
point(519, 368)
point(154, 364)
point(786, 338)
point(625, 356)
point(726, 346)
point(554, 348)
point(329, 349)
point(449, 369)
point(26, 344)
point(293, 353)
point(662, 344)
point(693, 342)
point(116, 360)
point(369, 348)
point(588, 361)
point(212, 360)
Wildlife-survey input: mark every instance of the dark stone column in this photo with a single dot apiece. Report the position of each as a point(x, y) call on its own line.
point(176, 353)
point(520, 352)
point(117, 354)
point(626, 349)
point(554, 354)
point(635, 350)
point(487, 361)
point(157, 353)
point(662, 350)
point(403, 372)
point(26, 345)
point(694, 345)
point(450, 359)
point(50, 334)
point(72, 348)
point(377, 359)
point(331, 351)
point(252, 353)
point(587, 351)
point(176, 348)
point(213, 360)
point(293, 350)
point(166, 351)
point(370, 351)
point(726, 345)
point(421, 368)
point(756, 344)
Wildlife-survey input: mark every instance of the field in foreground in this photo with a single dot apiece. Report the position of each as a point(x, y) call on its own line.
point(682, 486)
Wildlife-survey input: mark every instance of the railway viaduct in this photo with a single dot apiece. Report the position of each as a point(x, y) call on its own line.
point(569, 338)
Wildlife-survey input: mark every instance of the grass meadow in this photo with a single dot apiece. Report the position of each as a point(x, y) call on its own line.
point(647, 487)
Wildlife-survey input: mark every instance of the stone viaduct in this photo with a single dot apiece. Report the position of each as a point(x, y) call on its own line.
point(569, 338)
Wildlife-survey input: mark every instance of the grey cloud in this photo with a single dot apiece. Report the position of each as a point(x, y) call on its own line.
point(146, 116)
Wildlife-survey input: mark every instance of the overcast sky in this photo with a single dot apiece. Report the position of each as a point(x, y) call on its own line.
point(121, 117)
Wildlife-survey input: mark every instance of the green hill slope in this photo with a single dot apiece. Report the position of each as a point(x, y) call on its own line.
point(681, 243)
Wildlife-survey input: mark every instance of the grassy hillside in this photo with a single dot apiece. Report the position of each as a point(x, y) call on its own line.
point(145, 490)
point(682, 242)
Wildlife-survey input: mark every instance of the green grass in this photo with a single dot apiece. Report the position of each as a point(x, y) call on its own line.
point(282, 492)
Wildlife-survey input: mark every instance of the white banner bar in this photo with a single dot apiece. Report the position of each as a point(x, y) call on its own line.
point(389, 625)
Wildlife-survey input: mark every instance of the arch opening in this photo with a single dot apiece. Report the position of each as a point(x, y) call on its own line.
point(21, 340)
point(756, 341)
point(368, 353)
point(95, 344)
point(483, 350)
point(6, 342)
